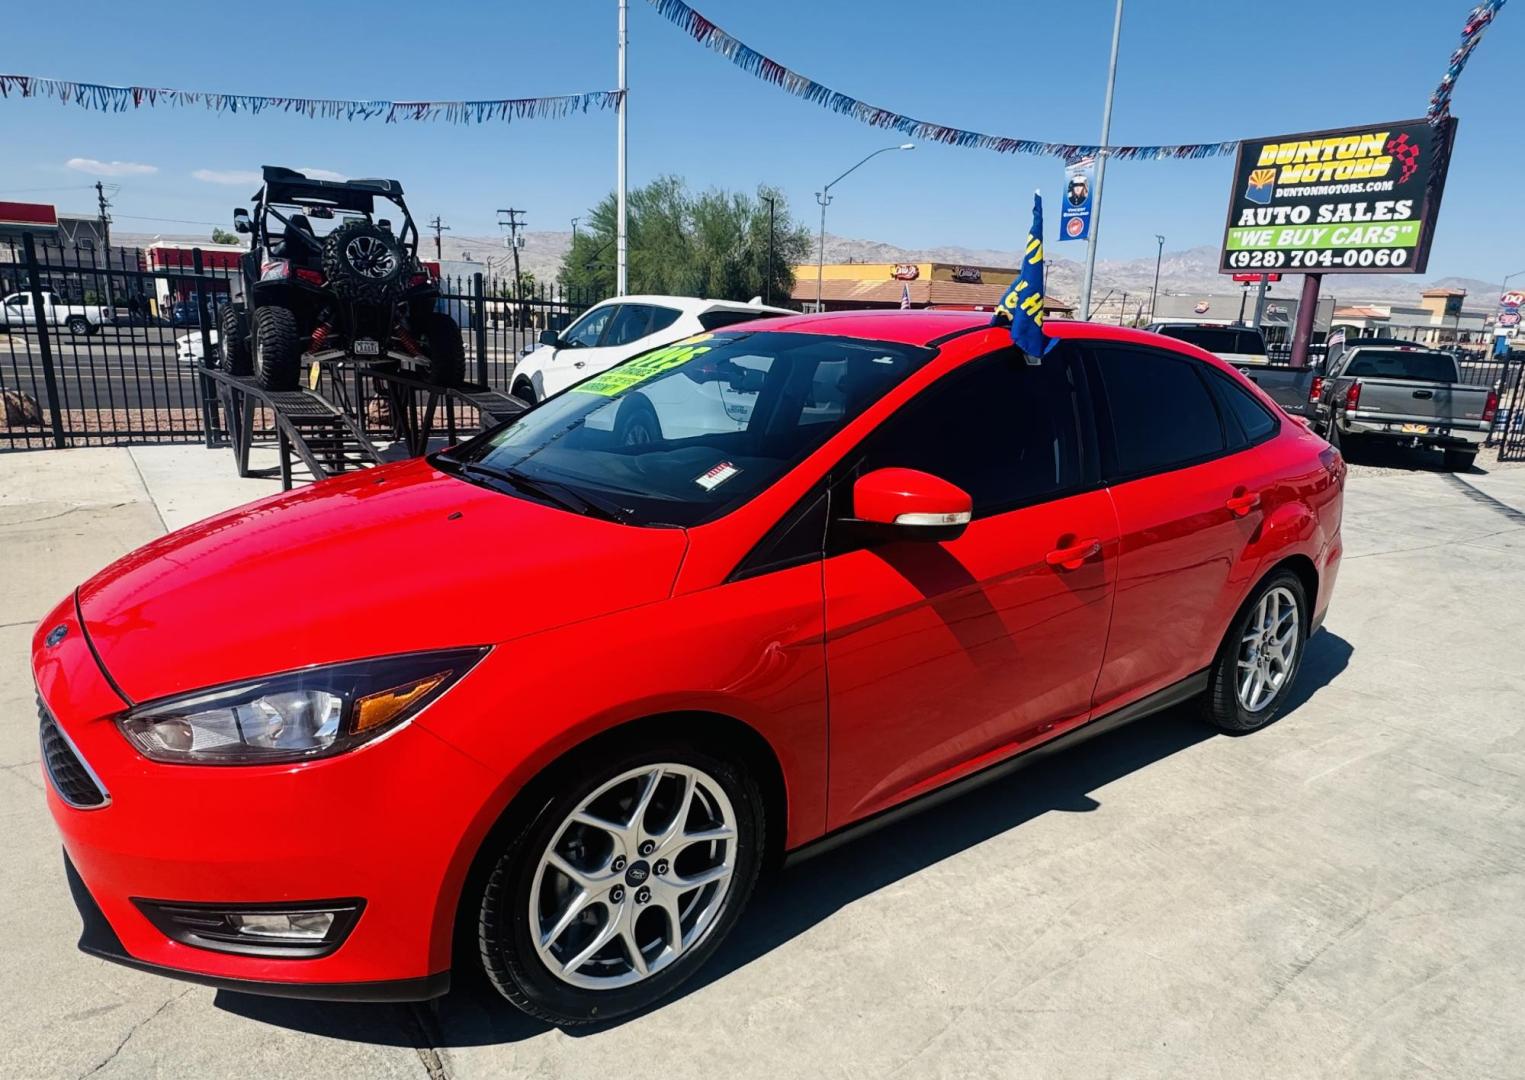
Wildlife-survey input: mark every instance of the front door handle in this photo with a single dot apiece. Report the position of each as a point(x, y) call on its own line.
point(1072, 557)
point(1242, 502)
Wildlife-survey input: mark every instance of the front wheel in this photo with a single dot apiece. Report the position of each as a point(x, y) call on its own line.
point(78, 325)
point(1258, 660)
point(623, 884)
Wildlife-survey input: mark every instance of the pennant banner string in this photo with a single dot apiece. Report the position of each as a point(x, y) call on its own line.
point(1472, 32)
point(121, 98)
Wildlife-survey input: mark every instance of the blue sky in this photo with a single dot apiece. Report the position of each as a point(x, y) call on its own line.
point(1190, 71)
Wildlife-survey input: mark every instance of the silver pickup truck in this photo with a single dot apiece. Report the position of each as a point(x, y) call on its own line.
point(1406, 395)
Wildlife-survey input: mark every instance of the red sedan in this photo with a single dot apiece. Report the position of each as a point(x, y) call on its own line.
point(550, 701)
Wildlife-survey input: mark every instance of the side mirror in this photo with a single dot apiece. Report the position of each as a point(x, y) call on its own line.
point(241, 222)
point(550, 337)
point(911, 505)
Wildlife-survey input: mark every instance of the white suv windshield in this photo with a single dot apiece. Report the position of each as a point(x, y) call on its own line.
point(682, 434)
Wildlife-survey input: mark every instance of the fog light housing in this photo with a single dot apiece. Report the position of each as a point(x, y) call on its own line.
point(298, 931)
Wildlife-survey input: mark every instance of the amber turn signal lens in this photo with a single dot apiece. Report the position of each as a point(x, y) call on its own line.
point(379, 709)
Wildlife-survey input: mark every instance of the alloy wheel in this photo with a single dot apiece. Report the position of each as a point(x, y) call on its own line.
point(370, 257)
point(1268, 649)
point(633, 878)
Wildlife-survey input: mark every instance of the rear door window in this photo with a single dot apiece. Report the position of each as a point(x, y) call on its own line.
point(1156, 412)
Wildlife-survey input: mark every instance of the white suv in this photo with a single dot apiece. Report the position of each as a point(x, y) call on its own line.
point(618, 329)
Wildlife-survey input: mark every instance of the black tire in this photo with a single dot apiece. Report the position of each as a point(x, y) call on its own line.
point(1459, 460)
point(233, 355)
point(1222, 704)
point(364, 262)
point(78, 324)
point(524, 390)
point(440, 338)
point(277, 348)
point(504, 923)
point(636, 423)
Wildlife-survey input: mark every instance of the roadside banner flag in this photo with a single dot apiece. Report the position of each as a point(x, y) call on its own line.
point(905, 297)
point(1022, 304)
point(1075, 208)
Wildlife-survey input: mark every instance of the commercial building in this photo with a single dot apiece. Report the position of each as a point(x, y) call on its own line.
point(1439, 319)
point(929, 284)
point(1227, 308)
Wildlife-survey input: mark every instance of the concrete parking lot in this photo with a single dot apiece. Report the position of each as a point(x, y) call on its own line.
point(1341, 894)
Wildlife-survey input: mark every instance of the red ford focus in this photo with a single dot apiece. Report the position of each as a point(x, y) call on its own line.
point(550, 701)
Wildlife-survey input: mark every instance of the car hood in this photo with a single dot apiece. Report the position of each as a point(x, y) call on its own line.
point(397, 559)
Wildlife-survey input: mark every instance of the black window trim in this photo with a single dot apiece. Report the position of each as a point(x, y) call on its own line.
point(1112, 475)
point(1221, 383)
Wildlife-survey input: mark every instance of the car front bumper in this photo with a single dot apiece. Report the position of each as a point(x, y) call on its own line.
point(384, 823)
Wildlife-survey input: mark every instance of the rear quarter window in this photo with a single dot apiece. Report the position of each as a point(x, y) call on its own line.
point(715, 320)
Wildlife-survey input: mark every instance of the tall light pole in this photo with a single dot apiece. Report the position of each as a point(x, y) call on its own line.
point(1101, 164)
point(621, 275)
point(1159, 253)
point(824, 198)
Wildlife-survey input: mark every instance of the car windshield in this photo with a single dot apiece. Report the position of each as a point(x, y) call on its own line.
point(1403, 364)
point(1218, 339)
point(683, 434)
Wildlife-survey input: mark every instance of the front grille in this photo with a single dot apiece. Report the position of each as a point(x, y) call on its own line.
point(67, 771)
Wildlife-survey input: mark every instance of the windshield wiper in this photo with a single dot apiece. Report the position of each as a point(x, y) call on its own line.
point(558, 494)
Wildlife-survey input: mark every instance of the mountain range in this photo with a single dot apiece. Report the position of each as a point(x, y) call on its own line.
point(1189, 272)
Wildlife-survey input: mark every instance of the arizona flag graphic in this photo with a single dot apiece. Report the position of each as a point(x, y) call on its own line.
point(1261, 186)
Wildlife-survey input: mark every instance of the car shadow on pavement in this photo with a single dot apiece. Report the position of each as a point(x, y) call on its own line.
point(792, 901)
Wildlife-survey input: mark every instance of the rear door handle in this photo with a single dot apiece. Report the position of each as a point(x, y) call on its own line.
point(1242, 502)
point(1072, 557)
point(579, 363)
point(1424, 393)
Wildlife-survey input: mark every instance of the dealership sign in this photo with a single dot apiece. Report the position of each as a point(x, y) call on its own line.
point(1356, 200)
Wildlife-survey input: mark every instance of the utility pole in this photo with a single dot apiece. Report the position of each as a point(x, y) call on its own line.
point(512, 221)
point(1154, 293)
point(1101, 164)
point(100, 198)
point(621, 262)
point(768, 281)
point(440, 228)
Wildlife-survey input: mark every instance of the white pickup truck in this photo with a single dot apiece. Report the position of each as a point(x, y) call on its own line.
point(17, 312)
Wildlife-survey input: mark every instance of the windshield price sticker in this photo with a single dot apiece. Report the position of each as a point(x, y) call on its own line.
point(712, 479)
point(1360, 199)
point(643, 368)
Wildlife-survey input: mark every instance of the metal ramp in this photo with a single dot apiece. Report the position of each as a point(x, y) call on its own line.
point(308, 428)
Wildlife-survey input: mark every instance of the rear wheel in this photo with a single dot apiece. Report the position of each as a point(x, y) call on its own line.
point(78, 324)
point(277, 348)
point(1258, 660)
point(623, 884)
point(233, 354)
point(440, 339)
point(1460, 460)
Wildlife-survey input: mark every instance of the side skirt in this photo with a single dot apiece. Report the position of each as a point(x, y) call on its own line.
point(1158, 701)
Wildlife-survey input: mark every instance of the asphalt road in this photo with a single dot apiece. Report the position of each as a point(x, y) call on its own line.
point(136, 368)
point(1339, 895)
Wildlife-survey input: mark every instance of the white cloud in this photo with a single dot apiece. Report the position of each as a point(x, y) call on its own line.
point(110, 168)
point(232, 177)
point(321, 174)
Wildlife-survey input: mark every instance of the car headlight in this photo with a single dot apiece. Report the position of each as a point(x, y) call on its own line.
point(296, 716)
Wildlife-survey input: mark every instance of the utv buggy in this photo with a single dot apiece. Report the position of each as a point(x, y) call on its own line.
point(352, 289)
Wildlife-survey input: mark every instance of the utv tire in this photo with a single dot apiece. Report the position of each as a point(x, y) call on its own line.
point(277, 348)
point(525, 887)
point(233, 354)
point(364, 263)
point(1459, 460)
point(1271, 627)
point(440, 339)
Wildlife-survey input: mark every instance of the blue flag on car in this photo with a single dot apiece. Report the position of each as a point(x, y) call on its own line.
point(1022, 303)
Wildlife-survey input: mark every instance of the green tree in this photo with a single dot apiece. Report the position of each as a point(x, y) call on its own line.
point(713, 245)
point(222, 236)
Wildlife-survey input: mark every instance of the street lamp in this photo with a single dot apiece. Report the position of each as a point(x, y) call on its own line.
point(1159, 253)
point(824, 197)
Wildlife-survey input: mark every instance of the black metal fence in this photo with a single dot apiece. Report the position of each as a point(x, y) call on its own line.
point(100, 347)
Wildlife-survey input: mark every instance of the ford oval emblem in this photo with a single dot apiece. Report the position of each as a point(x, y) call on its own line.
point(55, 635)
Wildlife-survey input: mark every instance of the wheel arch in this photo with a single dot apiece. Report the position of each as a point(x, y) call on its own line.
point(717, 732)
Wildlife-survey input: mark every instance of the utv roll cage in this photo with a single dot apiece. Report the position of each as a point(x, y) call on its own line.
point(287, 187)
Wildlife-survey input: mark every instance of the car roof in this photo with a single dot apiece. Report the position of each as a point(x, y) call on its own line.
point(926, 326)
point(693, 305)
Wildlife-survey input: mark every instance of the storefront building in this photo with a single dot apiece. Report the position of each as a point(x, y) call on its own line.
point(952, 286)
